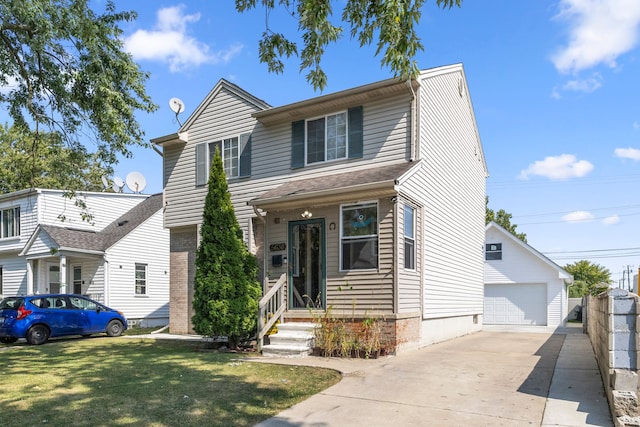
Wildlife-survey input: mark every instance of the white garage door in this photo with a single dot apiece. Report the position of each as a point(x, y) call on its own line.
point(515, 304)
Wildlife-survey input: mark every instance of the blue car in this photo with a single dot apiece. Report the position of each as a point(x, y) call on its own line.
point(39, 317)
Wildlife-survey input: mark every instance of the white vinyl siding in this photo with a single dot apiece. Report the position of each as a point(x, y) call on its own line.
point(151, 247)
point(520, 265)
point(451, 186)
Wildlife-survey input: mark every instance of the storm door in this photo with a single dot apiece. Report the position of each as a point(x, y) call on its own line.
point(307, 264)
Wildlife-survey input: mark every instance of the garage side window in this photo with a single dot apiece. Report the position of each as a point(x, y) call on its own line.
point(493, 251)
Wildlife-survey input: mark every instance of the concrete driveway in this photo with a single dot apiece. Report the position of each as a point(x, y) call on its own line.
point(484, 379)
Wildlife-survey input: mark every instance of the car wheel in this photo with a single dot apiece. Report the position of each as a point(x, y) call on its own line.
point(115, 328)
point(8, 340)
point(38, 334)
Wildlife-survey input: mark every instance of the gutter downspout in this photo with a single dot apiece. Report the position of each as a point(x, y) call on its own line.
point(264, 243)
point(413, 138)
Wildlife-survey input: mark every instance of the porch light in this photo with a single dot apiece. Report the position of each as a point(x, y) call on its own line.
point(306, 214)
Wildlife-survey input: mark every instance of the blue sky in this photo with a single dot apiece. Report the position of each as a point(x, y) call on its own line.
point(554, 85)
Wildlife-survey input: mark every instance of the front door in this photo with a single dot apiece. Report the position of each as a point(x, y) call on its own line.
point(307, 264)
point(53, 279)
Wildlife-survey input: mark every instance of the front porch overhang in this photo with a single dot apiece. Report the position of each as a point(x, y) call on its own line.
point(365, 184)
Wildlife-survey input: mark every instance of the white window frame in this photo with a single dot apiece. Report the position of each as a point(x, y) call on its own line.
point(145, 280)
point(369, 236)
point(493, 248)
point(325, 140)
point(409, 239)
point(15, 225)
point(231, 165)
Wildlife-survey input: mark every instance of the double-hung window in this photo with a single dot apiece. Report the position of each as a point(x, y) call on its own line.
point(493, 251)
point(10, 219)
point(409, 238)
point(359, 236)
point(235, 152)
point(335, 136)
point(141, 279)
point(327, 138)
point(229, 151)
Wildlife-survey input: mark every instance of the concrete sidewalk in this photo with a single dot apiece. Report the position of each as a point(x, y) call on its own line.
point(492, 378)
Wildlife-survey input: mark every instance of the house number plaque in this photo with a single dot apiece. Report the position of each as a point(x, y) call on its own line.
point(275, 247)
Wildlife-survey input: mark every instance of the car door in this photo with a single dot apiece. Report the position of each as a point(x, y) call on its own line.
point(94, 319)
point(54, 311)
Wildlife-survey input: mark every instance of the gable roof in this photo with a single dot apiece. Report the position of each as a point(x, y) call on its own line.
point(88, 241)
point(222, 84)
point(562, 274)
point(369, 183)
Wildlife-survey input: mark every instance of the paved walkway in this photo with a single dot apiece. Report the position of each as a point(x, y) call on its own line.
point(531, 377)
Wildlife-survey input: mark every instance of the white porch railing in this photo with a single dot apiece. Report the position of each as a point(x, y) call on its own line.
point(271, 308)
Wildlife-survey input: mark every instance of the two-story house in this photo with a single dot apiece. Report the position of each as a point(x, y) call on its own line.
point(370, 201)
point(109, 246)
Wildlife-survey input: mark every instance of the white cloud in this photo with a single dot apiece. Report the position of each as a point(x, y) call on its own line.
point(636, 125)
point(599, 32)
point(627, 153)
point(169, 42)
point(584, 85)
point(611, 220)
point(563, 166)
point(578, 216)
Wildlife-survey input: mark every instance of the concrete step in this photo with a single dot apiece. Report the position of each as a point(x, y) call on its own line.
point(274, 350)
point(292, 340)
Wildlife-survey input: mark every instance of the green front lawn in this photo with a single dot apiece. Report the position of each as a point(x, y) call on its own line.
point(136, 382)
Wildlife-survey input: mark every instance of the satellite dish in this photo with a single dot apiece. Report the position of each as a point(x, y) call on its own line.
point(136, 182)
point(105, 182)
point(177, 106)
point(118, 184)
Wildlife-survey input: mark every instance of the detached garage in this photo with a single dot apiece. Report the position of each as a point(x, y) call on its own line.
point(522, 286)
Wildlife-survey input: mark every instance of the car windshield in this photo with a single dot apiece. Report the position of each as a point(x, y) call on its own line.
point(12, 303)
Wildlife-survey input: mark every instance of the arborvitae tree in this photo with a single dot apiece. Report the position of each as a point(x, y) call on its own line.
point(226, 294)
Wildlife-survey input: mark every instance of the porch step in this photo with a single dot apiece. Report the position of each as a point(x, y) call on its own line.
point(292, 340)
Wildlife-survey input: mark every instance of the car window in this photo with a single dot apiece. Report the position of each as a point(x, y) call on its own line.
point(49, 302)
point(11, 303)
point(83, 303)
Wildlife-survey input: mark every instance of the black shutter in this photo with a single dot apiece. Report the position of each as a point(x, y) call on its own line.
point(355, 133)
point(201, 164)
point(297, 144)
point(245, 154)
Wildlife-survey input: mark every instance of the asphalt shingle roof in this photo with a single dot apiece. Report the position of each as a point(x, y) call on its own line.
point(108, 236)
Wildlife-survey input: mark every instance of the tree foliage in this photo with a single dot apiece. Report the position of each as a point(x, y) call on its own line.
point(42, 160)
point(588, 277)
point(503, 218)
point(63, 69)
point(226, 290)
point(390, 24)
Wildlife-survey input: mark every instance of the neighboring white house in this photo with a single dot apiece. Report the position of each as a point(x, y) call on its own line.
point(369, 201)
point(111, 247)
point(521, 286)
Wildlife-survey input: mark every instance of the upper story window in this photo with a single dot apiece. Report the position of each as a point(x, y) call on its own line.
point(141, 279)
point(332, 137)
point(327, 138)
point(359, 236)
point(493, 251)
point(236, 157)
point(229, 151)
point(409, 238)
point(10, 219)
